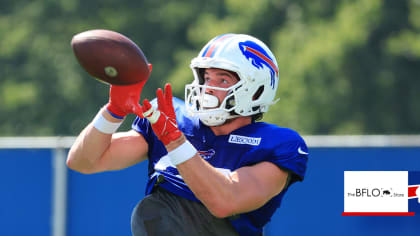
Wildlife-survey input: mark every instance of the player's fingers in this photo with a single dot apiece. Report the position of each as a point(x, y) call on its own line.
point(168, 93)
point(168, 98)
point(149, 112)
point(138, 110)
point(160, 100)
point(146, 108)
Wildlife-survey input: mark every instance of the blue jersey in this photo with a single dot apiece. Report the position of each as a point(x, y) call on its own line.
point(246, 146)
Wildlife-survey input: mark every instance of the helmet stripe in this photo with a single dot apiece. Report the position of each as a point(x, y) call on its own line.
point(212, 47)
point(265, 58)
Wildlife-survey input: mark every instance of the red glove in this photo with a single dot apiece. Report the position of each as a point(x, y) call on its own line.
point(163, 119)
point(124, 99)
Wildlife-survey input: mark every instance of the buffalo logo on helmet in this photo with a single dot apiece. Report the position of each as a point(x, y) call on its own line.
point(259, 57)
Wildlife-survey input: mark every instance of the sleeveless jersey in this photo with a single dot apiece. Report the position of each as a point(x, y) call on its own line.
point(246, 146)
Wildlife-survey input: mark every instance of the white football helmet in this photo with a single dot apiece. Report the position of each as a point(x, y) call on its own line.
point(256, 68)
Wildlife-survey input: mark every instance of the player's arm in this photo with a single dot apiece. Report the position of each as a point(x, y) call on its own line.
point(243, 190)
point(246, 189)
point(95, 151)
point(98, 148)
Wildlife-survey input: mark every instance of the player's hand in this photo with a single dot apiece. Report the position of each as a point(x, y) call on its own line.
point(163, 119)
point(124, 99)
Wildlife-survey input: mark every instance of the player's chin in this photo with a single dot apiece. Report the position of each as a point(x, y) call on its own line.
point(228, 121)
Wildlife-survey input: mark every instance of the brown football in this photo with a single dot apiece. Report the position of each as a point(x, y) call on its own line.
point(110, 57)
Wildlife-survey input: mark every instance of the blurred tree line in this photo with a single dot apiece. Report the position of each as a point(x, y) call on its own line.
point(346, 66)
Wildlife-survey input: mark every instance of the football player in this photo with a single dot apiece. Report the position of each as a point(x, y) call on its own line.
point(213, 169)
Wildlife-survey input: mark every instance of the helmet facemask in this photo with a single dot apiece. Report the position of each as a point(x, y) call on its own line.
point(206, 106)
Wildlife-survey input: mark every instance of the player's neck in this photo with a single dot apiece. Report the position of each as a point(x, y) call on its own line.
point(228, 127)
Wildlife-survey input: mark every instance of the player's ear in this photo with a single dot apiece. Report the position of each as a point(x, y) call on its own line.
point(150, 67)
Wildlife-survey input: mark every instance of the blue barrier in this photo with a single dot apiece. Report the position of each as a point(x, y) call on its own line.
point(101, 204)
point(25, 192)
point(314, 206)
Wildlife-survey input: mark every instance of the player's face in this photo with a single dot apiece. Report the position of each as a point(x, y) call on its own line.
point(219, 78)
